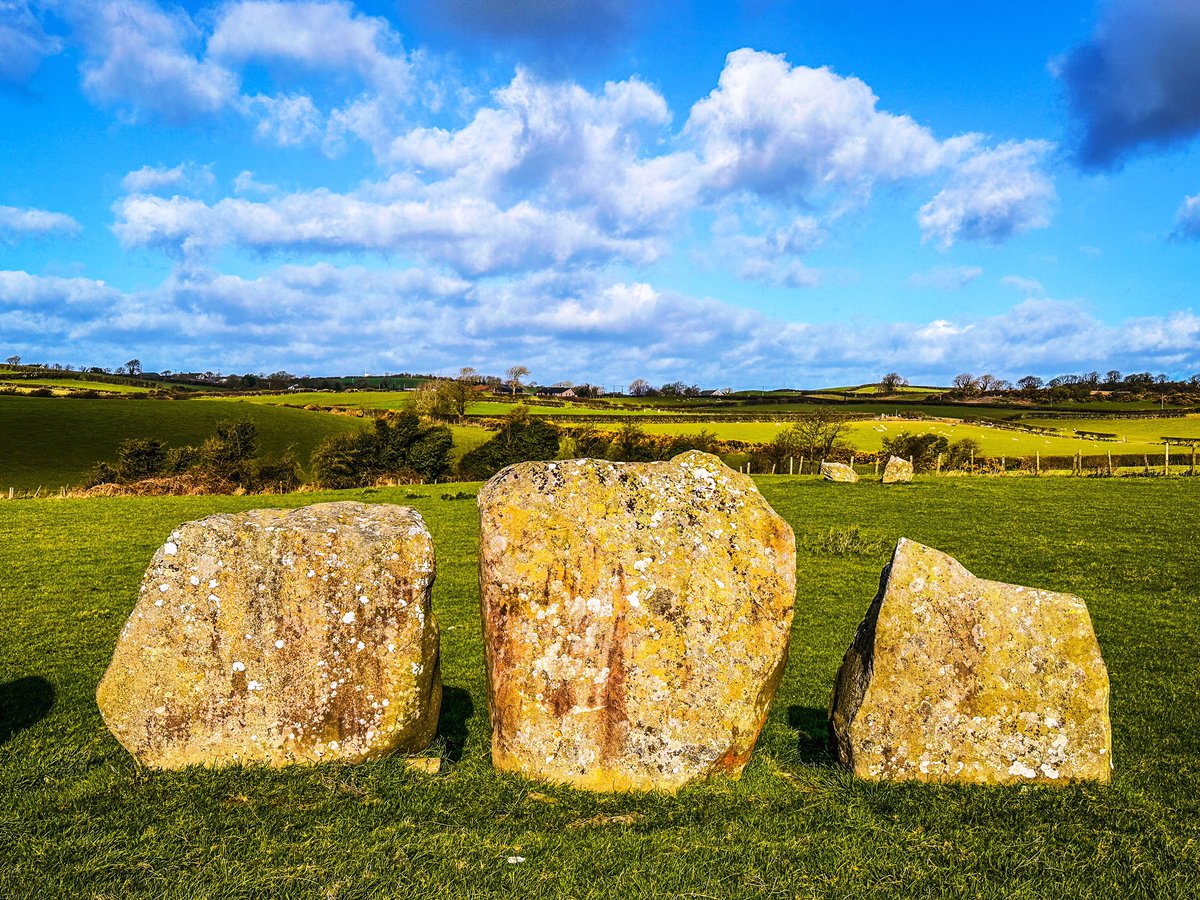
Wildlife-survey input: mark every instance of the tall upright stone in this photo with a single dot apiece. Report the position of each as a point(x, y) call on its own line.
point(636, 617)
point(958, 679)
point(279, 636)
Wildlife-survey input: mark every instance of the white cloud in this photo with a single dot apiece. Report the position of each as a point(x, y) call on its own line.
point(583, 326)
point(286, 120)
point(23, 43)
point(138, 57)
point(945, 278)
point(782, 130)
point(1030, 287)
point(185, 176)
point(1187, 220)
point(991, 196)
point(16, 224)
point(246, 183)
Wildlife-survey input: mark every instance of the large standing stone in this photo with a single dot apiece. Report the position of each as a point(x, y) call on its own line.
point(897, 471)
point(279, 636)
point(637, 619)
point(954, 678)
point(835, 471)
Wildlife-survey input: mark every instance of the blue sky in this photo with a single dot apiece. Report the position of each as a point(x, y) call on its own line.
point(743, 194)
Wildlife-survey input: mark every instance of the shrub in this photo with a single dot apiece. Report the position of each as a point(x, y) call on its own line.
point(398, 447)
point(922, 449)
point(520, 439)
point(139, 458)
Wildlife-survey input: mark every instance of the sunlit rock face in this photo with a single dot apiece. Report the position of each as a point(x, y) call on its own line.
point(636, 616)
point(897, 471)
point(280, 636)
point(957, 679)
point(832, 471)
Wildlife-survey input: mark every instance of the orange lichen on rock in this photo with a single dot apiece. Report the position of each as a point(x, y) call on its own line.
point(637, 618)
point(280, 636)
point(953, 678)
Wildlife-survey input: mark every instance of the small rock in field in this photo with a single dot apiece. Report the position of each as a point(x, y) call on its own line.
point(636, 617)
point(280, 636)
point(897, 471)
point(834, 471)
point(956, 679)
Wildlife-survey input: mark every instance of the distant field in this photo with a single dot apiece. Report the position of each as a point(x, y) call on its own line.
point(868, 435)
point(54, 442)
point(60, 384)
point(401, 399)
point(1134, 430)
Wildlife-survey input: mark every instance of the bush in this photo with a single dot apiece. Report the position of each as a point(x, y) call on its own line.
point(520, 439)
point(398, 448)
point(139, 458)
point(922, 449)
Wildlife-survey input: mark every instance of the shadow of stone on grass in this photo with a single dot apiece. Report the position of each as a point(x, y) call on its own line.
point(812, 732)
point(457, 708)
point(23, 702)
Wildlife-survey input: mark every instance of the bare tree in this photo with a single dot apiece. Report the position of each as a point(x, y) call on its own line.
point(639, 387)
point(134, 367)
point(966, 383)
point(513, 377)
point(815, 435)
point(13, 360)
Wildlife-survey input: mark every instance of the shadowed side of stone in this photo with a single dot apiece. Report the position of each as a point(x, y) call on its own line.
point(636, 617)
point(897, 471)
point(280, 636)
point(833, 471)
point(954, 678)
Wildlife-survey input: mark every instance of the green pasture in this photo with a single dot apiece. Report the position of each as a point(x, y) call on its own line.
point(54, 442)
point(1150, 431)
point(867, 435)
point(401, 399)
point(65, 384)
point(80, 819)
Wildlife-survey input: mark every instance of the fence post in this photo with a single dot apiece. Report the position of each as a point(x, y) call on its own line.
point(1003, 464)
point(1167, 459)
point(1037, 462)
point(972, 462)
point(1192, 467)
point(791, 460)
point(877, 467)
point(802, 465)
point(1110, 471)
point(939, 465)
point(772, 468)
point(1146, 462)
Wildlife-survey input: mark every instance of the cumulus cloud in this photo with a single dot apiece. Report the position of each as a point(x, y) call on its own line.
point(142, 59)
point(580, 325)
point(782, 130)
point(1187, 220)
point(23, 43)
point(473, 236)
point(1136, 81)
point(945, 278)
point(17, 224)
point(183, 177)
point(991, 196)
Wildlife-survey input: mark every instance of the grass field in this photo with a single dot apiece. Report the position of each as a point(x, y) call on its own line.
point(79, 819)
point(54, 442)
point(868, 436)
point(62, 385)
point(1133, 430)
point(401, 399)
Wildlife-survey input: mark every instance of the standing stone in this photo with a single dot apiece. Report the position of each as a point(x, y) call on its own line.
point(954, 678)
point(897, 471)
point(637, 618)
point(279, 636)
point(834, 471)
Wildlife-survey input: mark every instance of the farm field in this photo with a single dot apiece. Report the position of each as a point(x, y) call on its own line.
point(868, 435)
point(1144, 430)
point(401, 399)
point(53, 443)
point(80, 819)
point(64, 384)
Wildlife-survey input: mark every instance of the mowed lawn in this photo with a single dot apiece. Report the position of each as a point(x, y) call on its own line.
point(52, 442)
point(80, 819)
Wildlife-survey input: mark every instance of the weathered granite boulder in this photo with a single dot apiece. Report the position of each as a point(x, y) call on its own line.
point(954, 678)
point(833, 471)
point(279, 636)
point(897, 471)
point(636, 616)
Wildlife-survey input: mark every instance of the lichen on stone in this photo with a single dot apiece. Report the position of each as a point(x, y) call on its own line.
point(636, 617)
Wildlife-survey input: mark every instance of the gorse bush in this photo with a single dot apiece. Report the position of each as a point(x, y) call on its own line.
point(227, 460)
point(519, 439)
point(398, 448)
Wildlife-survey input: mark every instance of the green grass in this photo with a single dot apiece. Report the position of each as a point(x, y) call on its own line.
point(868, 435)
point(65, 384)
point(52, 442)
point(401, 399)
point(79, 819)
point(1150, 431)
